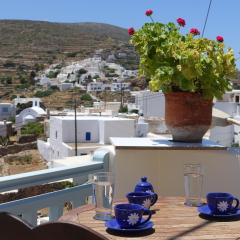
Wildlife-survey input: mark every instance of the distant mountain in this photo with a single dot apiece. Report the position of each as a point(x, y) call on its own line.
point(24, 43)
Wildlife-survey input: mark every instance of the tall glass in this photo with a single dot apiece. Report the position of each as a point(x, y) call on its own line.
point(193, 181)
point(103, 190)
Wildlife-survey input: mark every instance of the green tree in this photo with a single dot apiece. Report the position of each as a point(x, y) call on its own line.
point(35, 128)
point(123, 109)
point(53, 74)
point(86, 97)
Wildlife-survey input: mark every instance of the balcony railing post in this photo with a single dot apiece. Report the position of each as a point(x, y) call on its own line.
point(102, 155)
point(30, 217)
point(55, 212)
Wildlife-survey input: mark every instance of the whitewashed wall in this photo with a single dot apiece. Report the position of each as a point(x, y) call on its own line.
point(83, 126)
point(56, 137)
point(224, 135)
point(44, 149)
point(151, 103)
point(164, 169)
point(115, 128)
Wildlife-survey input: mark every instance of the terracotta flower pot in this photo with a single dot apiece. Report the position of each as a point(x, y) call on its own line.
point(188, 116)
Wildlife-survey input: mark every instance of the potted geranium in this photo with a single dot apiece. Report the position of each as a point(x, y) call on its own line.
point(190, 71)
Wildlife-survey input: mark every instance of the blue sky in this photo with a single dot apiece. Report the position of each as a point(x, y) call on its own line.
point(223, 19)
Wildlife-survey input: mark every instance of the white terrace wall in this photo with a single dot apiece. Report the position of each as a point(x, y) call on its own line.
point(164, 169)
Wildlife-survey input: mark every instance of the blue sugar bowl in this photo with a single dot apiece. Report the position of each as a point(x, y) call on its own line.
point(144, 186)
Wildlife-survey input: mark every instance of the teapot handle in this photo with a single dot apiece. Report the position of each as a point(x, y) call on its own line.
point(154, 198)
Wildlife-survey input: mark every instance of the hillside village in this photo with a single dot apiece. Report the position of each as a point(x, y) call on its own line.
point(92, 74)
point(105, 84)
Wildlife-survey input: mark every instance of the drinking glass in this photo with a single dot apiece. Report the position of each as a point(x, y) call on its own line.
point(103, 189)
point(193, 182)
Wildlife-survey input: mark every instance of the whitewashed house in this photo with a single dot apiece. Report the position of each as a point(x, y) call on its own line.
point(95, 87)
point(231, 96)
point(92, 133)
point(224, 135)
point(120, 86)
point(129, 73)
point(44, 81)
point(65, 86)
point(112, 106)
point(228, 135)
point(30, 114)
point(151, 104)
point(35, 101)
point(7, 110)
point(62, 77)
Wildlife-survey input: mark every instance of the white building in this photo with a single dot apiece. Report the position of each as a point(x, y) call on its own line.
point(231, 96)
point(65, 86)
point(44, 81)
point(92, 132)
point(224, 135)
point(7, 110)
point(113, 106)
point(236, 127)
point(35, 101)
point(118, 86)
point(151, 104)
point(29, 114)
point(95, 87)
point(129, 73)
point(62, 77)
point(229, 104)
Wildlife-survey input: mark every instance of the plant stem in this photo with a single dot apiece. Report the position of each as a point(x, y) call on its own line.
point(151, 18)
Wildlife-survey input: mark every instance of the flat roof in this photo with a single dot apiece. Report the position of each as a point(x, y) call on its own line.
point(104, 118)
point(84, 145)
point(162, 143)
point(6, 103)
point(7, 122)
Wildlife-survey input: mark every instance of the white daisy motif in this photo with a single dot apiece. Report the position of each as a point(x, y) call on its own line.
point(222, 206)
point(133, 219)
point(147, 203)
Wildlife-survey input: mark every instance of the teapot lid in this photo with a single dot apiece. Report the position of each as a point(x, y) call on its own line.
point(144, 183)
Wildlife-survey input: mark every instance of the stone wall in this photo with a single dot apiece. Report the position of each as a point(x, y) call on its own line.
point(34, 190)
point(27, 138)
point(11, 149)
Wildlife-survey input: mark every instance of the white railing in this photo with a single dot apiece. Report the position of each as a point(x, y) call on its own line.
point(54, 201)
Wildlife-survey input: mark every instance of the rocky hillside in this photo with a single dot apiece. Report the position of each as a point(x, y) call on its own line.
point(25, 44)
point(27, 47)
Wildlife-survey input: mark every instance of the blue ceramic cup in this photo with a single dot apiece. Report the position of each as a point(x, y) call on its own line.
point(129, 215)
point(146, 199)
point(221, 203)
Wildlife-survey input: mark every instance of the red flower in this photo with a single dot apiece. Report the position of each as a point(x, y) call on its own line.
point(194, 31)
point(219, 38)
point(131, 31)
point(181, 22)
point(149, 12)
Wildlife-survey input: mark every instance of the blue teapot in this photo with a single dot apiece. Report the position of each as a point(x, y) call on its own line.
point(144, 186)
